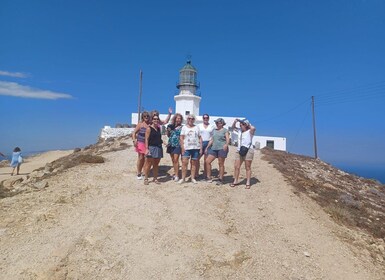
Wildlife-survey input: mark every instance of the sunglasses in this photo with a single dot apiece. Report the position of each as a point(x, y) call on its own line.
point(205, 118)
point(155, 119)
point(190, 118)
point(145, 117)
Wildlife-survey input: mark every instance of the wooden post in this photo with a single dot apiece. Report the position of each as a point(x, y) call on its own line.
point(314, 130)
point(140, 94)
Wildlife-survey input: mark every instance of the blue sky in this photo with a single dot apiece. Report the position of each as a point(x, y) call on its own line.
point(259, 59)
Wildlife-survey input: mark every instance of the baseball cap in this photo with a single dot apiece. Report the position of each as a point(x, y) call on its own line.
point(245, 121)
point(220, 120)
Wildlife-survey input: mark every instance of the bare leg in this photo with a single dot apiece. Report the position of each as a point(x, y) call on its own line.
point(17, 169)
point(237, 166)
point(140, 164)
point(193, 168)
point(147, 166)
point(208, 161)
point(221, 163)
point(248, 171)
point(175, 162)
point(155, 168)
point(184, 167)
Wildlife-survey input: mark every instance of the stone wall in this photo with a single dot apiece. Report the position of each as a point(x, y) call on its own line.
point(111, 132)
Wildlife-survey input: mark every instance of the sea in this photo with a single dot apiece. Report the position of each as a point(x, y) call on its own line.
point(370, 171)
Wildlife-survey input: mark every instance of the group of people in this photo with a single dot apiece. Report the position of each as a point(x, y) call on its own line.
point(191, 143)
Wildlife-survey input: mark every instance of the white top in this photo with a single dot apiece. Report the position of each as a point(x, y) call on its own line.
point(206, 133)
point(245, 139)
point(191, 137)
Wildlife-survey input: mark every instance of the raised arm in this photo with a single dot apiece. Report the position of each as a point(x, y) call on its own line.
point(168, 117)
point(234, 123)
point(252, 130)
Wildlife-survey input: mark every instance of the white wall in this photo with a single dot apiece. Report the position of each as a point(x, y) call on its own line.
point(261, 141)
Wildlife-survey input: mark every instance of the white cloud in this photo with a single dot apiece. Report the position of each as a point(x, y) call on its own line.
point(17, 90)
point(13, 74)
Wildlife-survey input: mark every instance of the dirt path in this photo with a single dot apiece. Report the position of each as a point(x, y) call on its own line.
point(95, 223)
point(32, 163)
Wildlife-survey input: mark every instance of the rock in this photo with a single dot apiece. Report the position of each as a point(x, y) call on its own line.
point(41, 185)
point(48, 168)
point(7, 184)
point(307, 254)
point(76, 150)
point(36, 174)
point(329, 186)
point(380, 258)
point(381, 248)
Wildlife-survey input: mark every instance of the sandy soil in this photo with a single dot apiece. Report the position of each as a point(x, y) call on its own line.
point(95, 222)
point(32, 163)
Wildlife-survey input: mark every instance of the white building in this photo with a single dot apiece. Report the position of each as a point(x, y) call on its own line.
point(187, 101)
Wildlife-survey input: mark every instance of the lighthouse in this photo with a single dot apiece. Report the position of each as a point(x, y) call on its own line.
point(188, 100)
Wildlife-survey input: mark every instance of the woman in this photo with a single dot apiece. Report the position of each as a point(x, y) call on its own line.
point(156, 113)
point(245, 138)
point(16, 161)
point(191, 147)
point(174, 149)
point(206, 130)
point(154, 151)
point(218, 147)
point(138, 138)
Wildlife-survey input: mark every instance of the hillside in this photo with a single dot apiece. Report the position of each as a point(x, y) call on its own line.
point(86, 216)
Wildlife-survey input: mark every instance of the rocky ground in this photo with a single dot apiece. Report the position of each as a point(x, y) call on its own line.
point(86, 216)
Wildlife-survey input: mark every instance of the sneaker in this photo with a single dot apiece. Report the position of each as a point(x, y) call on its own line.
point(139, 177)
point(176, 179)
point(193, 181)
point(219, 182)
point(181, 181)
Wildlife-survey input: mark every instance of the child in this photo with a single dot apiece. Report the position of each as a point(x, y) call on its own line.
point(17, 159)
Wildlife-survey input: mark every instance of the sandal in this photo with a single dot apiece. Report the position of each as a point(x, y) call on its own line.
point(146, 181)
point(156, 181)
point(247, 186)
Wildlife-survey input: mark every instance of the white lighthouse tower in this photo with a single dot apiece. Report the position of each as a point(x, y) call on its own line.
point(188, 100)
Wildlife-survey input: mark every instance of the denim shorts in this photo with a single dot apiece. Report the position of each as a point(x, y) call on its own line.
point(175, 150)
point(204, 145)
point(218, 153)
point(194, 154)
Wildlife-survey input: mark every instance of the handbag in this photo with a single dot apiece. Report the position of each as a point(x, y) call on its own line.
point(20, 159)
point(243, 150)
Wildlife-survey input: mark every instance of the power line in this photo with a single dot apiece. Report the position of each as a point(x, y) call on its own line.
point(284, 113)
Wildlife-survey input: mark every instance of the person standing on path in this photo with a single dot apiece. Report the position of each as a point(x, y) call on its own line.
point(191, 145)
point(206, 130)
point(138, 138)
point(245, 138)
point(16, 161)
point(218, 147)
point(154, 150)
point(173, 148)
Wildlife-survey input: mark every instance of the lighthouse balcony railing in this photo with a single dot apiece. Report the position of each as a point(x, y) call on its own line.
point(188, 83)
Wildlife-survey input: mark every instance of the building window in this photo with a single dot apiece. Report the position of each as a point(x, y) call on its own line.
point(187, 113)
point(270, 144)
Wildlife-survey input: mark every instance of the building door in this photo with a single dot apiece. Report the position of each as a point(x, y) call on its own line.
point(270, 144)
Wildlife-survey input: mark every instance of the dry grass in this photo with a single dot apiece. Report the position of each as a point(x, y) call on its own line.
point(350, 200)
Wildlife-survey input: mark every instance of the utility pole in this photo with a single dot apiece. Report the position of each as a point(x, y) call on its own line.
point(314, 130)
point(140, 94)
